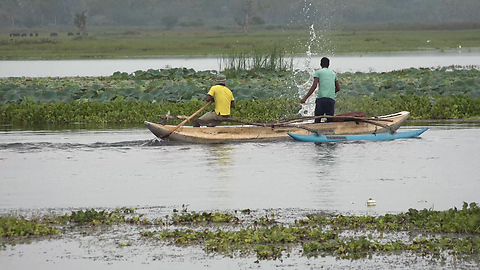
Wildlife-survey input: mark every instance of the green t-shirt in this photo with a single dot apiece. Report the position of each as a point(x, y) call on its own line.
point(326, 83)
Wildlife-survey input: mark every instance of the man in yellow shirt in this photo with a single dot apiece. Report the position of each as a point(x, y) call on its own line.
point(224, 101)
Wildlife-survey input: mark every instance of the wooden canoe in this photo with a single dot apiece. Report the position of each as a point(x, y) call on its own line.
point(244, 133)
point(386, 136)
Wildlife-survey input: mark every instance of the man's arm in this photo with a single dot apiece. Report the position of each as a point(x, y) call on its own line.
point(209, 98)
point(337, 86)
point(232, 104)
point(314, 86)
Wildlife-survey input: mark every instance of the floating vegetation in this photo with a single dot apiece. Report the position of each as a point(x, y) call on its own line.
point(94, 217)
point(18, 226)
point(448, 81)
point(420, 107)
point(262, 95)
point(136, 112)
point(435, 234)
point(453, 220)
point(186, 217)
point(166, 85)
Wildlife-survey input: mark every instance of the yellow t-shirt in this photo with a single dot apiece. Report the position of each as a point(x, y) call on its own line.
point(223, 98)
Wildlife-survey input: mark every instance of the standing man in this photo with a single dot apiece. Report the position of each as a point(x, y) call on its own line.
point(328, 85)
point(224, 101)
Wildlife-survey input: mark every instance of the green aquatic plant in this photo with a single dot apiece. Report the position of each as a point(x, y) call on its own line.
point(448, 81)
point(136, 112)
point(356, 248)
point(262, 95)
point(266, 241)
point(320, 235)
point(166, 85)
point(95, 217)
point(466, 220)
point(420, 107)
point(204, 217)
point(184, 216)
point(18, 226)
point(186, 84)
point(437, 234)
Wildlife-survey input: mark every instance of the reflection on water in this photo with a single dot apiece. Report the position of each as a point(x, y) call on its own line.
point(325, 160)
point(222, 155)
point(220, 162)
point(326, 153)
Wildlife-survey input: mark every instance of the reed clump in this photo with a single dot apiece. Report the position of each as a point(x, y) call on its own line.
point(274, 59)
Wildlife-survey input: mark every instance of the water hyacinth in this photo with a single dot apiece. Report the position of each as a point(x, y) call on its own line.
point(443, 93)
point(438, 234)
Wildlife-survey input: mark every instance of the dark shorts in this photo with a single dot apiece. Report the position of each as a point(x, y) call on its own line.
point(324, 106)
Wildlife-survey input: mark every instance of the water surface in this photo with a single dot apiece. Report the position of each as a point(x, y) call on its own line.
point(115, 168)
point(383, 62)
point(56, 171)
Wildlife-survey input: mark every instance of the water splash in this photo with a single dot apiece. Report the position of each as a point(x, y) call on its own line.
point(313, 37)
point(304, 77)
point(319, 19)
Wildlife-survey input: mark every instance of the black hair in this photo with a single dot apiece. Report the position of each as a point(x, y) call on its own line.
point(325, 62)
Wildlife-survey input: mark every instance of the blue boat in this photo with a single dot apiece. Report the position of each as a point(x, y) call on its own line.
point(387, 136)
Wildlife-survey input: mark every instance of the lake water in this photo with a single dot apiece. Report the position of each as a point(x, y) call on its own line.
point(47, 171)
point(340, 63)
point(56, 171)
point(126, 167)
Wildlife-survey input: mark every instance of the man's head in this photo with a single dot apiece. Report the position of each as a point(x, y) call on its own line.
point(221, 79)
point(325, 62)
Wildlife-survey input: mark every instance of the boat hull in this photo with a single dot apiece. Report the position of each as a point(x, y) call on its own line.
point(245, 133)
point(387, 136)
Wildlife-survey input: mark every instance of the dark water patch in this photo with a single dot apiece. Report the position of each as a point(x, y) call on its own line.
point(45, 146)
point(164, 142)
point(69, 127)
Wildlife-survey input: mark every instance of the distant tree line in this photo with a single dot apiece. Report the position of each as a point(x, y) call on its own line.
point(226, 13)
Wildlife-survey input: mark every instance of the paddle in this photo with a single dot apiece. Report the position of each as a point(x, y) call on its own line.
point(186, 120)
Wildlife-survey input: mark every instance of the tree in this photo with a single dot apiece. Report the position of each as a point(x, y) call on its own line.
point(9, 9)
point(257, 20)
point(170, 21)
point(249, 12)
point(246, 8)
point(81, 22)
